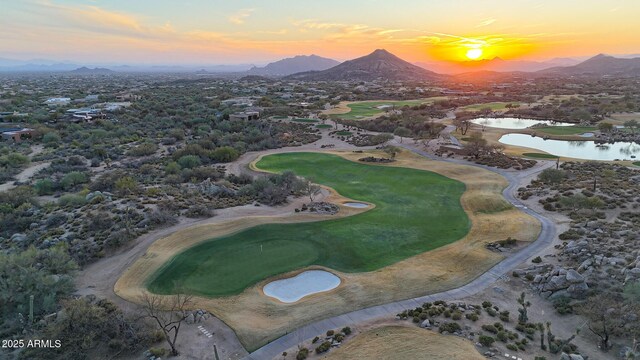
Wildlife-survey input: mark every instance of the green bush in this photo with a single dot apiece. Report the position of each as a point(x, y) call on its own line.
point(512, 347)
point(143, 150)
point(158, 352)
point(71, 200)
point(315, 340)
point(189, 161)
point(302, 354)
point(472, 317)
point(502, 336)
point(486, 340)
point(330, 332)
point(487, 304)
point(537, 260)
point(449, 327)
point(44, 187)
point(324, 347)
point(72, 179)
point(490, 328)
point(225, 154)
point(346, 330)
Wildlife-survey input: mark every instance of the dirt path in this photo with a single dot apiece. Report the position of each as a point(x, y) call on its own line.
point(27, 173)
point(24, 176)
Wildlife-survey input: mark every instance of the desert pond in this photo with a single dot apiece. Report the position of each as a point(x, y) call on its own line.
point(586, 150)
point(515, 123)
point(308, 282)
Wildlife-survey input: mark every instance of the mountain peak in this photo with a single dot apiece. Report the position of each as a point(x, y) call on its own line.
point(380, 64)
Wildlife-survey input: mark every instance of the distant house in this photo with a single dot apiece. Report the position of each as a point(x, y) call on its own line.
point(127, 97)
point(16, 134)
point(245, 115)
point(57, 101)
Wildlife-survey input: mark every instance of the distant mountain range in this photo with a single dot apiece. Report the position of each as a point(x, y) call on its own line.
point(380, 64)
point(599, 65)
point(86, 70)
point(296, 64)
point(495, 64)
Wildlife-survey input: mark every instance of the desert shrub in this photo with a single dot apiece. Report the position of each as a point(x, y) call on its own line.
point(512, 347)
point(449, 327)
point(44, 187)
point(158, 352)
point(126, 185)
point(224, 154)
point(72, 200)
point(502, 336)
point(72, 179)
point(302, 354)
point(536, 260)
point(490, 328)
point(504, 316)
point(199, 211)
point(338, 337)
point(486, 340)
point(324, 347)
point(472, 317)
point(189, 161)
point(457, 315)
point(315, 340)
point(487, 304)
point(563, 306)
point(330, 332)
point(143, 150)
point(491, 312)
point(346, 330)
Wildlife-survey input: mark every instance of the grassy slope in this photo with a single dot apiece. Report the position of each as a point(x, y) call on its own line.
point(416, 211)
point(492, 105)
point(540, 155)
point(401, 342)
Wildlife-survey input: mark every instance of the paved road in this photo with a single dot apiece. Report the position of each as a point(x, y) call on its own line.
point(504, 267)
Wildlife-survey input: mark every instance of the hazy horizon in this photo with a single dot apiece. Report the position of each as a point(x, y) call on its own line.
point(249, 32)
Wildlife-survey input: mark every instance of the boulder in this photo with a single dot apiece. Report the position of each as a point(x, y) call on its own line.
point(566, 356)
point(574, 277)
point(426, 324)
point(19, 237)
point(555, 283)
point(578, 291)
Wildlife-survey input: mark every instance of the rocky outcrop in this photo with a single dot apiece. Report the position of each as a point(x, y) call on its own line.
point(552, 281)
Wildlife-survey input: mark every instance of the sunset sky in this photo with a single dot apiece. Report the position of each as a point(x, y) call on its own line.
point(242, 31)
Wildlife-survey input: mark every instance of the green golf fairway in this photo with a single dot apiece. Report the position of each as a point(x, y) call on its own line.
point(416, 211)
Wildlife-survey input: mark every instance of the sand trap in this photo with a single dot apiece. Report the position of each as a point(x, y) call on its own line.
point(587, 134)
point(357, 205)
point(306, 283)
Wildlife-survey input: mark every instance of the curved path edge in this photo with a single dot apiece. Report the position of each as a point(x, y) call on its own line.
point(545, 238)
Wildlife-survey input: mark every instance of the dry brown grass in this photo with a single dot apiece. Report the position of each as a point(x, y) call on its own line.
point(405, 342)
point(258, 319)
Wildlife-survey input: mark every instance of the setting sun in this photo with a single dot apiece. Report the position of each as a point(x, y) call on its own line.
point(474, 54)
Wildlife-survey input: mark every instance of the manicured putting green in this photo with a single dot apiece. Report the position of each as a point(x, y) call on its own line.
point(367, 109)
point(637, 163)
point(540, 155)
point(416, 211)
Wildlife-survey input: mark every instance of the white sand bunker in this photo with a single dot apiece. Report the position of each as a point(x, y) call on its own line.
point(306, 283)
point(357, 205)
